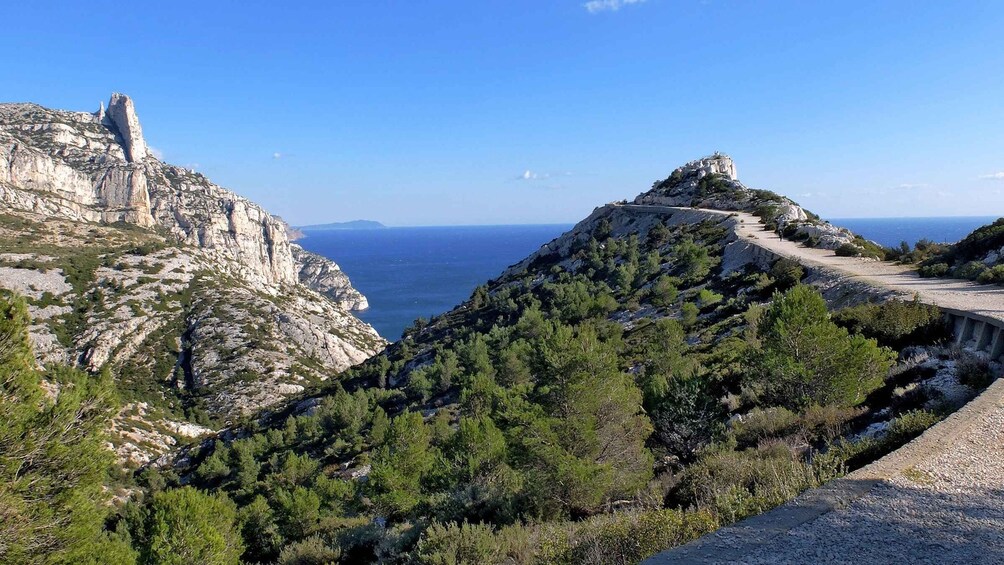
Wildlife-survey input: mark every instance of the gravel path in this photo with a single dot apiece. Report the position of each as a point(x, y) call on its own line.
point(939, 499)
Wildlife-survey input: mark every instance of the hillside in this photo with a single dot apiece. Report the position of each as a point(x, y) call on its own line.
point(978, 257)
point(640, 380)
point(192, 296)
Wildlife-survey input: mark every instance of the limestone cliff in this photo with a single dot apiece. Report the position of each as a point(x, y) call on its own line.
point(192, 295)
point(97, 167)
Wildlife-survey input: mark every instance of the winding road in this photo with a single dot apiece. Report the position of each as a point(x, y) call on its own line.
point(938, 499)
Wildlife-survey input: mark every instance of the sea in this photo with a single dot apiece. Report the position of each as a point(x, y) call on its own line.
point(411, 272)
point(891, 231)
point(407, 273)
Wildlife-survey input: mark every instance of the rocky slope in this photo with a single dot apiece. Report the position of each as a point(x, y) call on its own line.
point(192, 295)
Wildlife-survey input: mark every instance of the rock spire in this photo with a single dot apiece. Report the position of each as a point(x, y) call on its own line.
point(121, 116)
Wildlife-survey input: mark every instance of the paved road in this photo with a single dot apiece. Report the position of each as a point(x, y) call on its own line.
point(939, 499)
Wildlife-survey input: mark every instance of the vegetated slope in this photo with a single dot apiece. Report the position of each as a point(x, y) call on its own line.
point(978, 257)
point(622, 390)
point(191, 295)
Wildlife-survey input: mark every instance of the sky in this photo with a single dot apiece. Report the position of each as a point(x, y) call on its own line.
point(534, 111)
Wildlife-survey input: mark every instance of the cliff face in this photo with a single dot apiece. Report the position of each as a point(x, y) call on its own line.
point(97, 167)
point(192, 295)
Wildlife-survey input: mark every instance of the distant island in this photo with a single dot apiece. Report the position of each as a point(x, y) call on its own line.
point(353, 225)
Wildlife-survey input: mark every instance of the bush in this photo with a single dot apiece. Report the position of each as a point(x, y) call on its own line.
point(787, 273)
point(971, 270)
point(827, 422)
point(993, 275)
point(844, 456)
point(708, 298)
point(934, 270)
point(848, 250)
point(973, 370)
point(896, 323)
point(689, 313)
point(664, 292)
point(737, 484)
point(910, 425)
point(623, 537)
point(311, 551)
point(760, 424)
point(454, 544)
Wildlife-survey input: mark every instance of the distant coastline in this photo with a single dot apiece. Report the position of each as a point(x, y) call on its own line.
point(352, 225)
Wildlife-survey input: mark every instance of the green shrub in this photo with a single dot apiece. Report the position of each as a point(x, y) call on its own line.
point(973, 370)
point(623, 537)
point(827, 422)
point(188, 526)
point(934, 270)
point(760, 424)
point(664, 292)
point(737, 484)
point(896, 323)
point(971, 270)
point(848, 250)
point(843, 456)
point(787, 273)
point(909, 425)
point(708, 298)
point(689, 313)
point(311, 551)
point(456, 544)
point(993, 275)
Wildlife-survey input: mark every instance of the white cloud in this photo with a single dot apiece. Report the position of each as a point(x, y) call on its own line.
point(277, 155)
point(911, 186)
point(597, 6)
point(529, 175)
point(993, 176)
point(156, 152)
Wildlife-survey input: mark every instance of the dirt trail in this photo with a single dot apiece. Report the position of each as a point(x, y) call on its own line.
point(947, 293)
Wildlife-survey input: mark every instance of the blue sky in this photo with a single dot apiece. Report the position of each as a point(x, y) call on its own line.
point(526, 111)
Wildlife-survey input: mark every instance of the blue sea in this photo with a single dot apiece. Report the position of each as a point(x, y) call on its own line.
point(410, 272)
point(891, 231)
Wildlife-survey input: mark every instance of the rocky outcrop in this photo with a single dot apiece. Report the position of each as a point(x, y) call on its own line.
point(327, 278)
point(121, 116)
